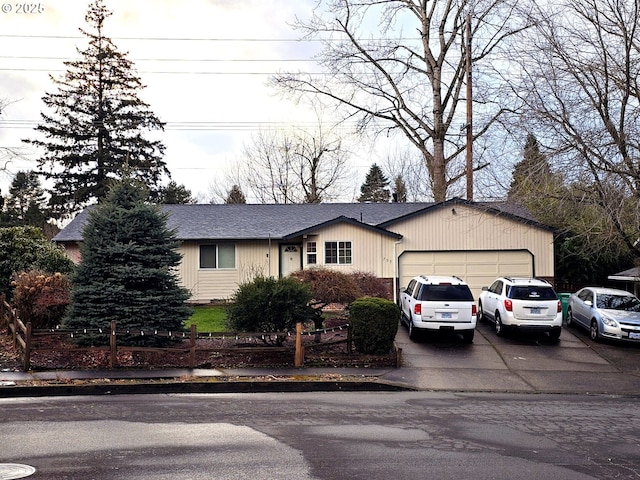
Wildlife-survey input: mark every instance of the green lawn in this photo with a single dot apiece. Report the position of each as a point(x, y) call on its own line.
point(208, 318)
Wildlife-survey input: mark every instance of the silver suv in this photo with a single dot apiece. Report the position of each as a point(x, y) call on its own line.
point(438, 303)
point(523, 303)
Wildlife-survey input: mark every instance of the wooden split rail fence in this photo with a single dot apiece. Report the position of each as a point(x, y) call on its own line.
point(25, 339)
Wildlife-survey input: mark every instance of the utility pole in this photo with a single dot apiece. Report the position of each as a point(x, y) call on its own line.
point(469, 112)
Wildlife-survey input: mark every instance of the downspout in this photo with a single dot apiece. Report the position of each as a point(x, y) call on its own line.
point(269, 257)
point(395, 271)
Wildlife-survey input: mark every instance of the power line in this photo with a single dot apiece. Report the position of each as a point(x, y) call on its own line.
point(162, 39)
point(154, 72)
point(197, 126)
point(178, 60)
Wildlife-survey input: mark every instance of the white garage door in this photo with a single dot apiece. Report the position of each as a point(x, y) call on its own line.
point(477, 268)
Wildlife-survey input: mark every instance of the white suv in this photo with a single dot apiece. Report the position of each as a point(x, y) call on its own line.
point(523, 303)
point(438, 303)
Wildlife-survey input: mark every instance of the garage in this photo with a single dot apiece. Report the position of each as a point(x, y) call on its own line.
point(478, 268)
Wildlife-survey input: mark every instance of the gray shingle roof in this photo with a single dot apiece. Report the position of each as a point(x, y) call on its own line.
point(245, 222)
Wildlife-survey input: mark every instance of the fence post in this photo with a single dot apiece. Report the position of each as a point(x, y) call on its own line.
point(2, 312)
point(299, 358)
point(192, 346)
point(13, 326)
point(27, 348)
point(113, 350)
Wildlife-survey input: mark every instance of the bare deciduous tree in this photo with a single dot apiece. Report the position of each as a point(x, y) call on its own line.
point(399, 66)
point(580, 90)
point(293, 166)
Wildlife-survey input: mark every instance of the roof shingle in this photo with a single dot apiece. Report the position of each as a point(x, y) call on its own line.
point(277, 221)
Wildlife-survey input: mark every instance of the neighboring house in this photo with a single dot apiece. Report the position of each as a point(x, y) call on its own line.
point(225, 245)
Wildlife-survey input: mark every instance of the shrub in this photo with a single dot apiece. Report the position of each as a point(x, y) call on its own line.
point(267, 304)
point(27, 248)
point(370, 285)
point(374, 324)
point(40, 298)
point(328, 286)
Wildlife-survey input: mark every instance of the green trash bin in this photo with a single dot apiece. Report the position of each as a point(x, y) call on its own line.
point(564, 299)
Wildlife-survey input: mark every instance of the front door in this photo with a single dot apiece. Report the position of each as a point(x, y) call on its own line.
point(290, 259)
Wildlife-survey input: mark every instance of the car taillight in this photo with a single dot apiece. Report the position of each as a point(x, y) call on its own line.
point(474, 309)
point(508, 305)
point(559, 306)
point(417, 309)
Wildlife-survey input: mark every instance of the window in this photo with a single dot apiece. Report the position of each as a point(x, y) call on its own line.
point(446, 293)
point(218, 256)
point(311, 253)
point(337, 253)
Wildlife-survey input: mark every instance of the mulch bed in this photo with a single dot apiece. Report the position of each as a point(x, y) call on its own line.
point(59, 355)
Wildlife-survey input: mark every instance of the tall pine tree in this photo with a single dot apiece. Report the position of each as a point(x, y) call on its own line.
point(126, 273)
point(94, 124)
point(375, 188)
point(26, 204)
point(235, 195)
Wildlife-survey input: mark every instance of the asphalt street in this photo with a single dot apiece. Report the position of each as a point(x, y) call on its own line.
point(323, 436)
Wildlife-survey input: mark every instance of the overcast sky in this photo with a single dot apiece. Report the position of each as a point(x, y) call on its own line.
point(205, 64)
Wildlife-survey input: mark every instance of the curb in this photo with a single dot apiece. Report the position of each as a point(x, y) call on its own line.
point(140, 388)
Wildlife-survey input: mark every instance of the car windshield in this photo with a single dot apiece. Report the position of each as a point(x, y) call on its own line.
point(530, 292)
point(446, 293)
point(618, 302)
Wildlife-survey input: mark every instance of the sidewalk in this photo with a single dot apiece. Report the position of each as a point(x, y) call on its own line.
point(486, 366)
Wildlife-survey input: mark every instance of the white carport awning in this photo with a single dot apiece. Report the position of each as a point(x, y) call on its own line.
point(631, 275)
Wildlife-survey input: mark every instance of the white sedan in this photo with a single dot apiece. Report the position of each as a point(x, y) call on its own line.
point(606, 313)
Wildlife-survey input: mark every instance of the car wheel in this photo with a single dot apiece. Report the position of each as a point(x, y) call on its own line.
point(594, 332)
point(467, 336)
point(480, 313)
point(555, 334)
point(412, 331)
point(499, 327)
point(570, 322)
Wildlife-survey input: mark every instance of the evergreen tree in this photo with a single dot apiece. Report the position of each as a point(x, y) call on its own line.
point(536, 187)
point(375, 187)
point(235, 195)
point(172, 194)
point(26, 204)
point(127, 269)
point(94, 124)
point(400, 190)
point(531, 172)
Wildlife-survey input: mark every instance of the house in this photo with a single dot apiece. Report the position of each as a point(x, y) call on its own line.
point(225, 245)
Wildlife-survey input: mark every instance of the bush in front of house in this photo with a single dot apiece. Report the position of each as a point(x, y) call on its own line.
point(27, 248)
point(370, 285)
point(374, 324)
point(268, 304)
point(327, 287)
point(40, 298)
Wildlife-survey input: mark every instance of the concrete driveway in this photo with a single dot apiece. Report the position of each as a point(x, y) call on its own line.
point(518, 363)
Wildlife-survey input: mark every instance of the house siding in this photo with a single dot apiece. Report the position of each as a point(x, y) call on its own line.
point(369, 250)
point(252, 258)
point(463, 228)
